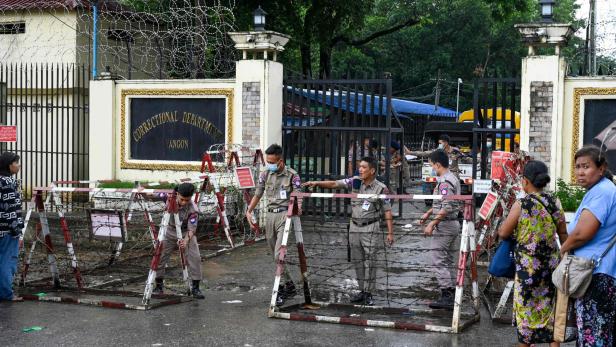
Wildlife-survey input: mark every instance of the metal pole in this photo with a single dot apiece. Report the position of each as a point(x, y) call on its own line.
point(592, 44)
point(94, 39)
point(458, 98)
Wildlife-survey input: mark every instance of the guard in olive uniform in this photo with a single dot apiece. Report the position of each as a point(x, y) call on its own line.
point(444, 228)
point(453, 153)
point(277, 183)
point(189, 217)
point(365, 236)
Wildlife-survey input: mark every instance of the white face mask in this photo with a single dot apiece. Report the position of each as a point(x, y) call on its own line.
point(441, 146)
point(272, 167)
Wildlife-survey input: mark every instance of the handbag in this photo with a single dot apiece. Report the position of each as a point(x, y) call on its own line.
point(573, 274)
point(565, 326)
point(503, 262)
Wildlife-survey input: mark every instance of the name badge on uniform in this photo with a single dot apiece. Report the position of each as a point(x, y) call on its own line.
point(283, 194)
point(366, 205)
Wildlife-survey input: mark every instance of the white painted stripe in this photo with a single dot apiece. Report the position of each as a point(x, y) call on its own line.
point(328, 319)
point(381, 324)
point(322, 195)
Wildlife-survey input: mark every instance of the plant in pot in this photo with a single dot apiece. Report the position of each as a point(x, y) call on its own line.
point(570, 197)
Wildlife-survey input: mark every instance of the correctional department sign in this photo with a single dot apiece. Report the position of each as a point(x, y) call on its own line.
point(171, 129)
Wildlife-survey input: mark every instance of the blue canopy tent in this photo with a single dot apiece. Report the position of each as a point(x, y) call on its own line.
point(369, 104)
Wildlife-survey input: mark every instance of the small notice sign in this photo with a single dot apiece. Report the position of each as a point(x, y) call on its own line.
point(244, 177)
point(8, 133)
point(482, 186)
point(488, 206)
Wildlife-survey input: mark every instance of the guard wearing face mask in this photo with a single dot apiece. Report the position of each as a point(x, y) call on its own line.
point(276, 183)
point(444, 229)
point(453, 153)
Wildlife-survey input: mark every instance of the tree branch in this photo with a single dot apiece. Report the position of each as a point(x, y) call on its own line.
point(374, 35)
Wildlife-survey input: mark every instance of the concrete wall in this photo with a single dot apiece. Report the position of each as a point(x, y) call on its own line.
point(47, 39)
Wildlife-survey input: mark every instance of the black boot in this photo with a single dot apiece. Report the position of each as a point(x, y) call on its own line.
point(446, 301)
point(281, 296)
point(368, 301)
point(358, 298)
point(290, 290)
point(196, 292)
point(159, 288)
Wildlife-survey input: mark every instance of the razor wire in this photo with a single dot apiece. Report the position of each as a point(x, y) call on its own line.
point(129, 269)
point(135, 39)
point(404, 276)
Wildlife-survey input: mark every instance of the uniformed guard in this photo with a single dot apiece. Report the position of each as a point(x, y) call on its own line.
point(444, 228)
point(277, 182)
point(189, 217)
point(398, 165)
point(453, 153)
point(365, 237)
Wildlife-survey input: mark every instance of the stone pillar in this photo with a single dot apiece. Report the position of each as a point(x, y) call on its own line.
point(102, 126)
point(542, 94)
point(259, 81)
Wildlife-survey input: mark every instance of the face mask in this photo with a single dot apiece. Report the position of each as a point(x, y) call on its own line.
point(441, 146)
point(433, 172)
point(272, 167)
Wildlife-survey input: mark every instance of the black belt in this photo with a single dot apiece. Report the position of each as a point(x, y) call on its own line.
point(363, 224)
point(276, 210)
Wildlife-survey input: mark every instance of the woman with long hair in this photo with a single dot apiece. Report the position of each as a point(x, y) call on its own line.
point(11, 224)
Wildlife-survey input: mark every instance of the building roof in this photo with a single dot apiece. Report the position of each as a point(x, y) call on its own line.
point(16, 5)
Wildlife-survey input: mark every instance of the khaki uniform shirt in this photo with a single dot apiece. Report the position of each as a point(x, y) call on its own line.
point(366, 210)
point(189, 217)
point(448, 184)
point(277, 187)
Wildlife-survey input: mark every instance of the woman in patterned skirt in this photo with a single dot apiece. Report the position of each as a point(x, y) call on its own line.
point(534, 222)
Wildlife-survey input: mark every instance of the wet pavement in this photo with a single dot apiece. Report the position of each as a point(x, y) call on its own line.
point(233, 314)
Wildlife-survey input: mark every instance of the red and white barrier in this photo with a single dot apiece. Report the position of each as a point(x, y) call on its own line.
point(468, 250)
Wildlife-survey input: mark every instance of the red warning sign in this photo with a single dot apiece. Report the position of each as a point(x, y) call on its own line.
point(244, 177)
point(8, 133)
point(488, 206)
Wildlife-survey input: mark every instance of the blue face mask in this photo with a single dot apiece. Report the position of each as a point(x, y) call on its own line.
point(272, 167)
point(441, 146)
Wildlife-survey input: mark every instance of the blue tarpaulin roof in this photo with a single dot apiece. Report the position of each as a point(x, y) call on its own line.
point(356, 101)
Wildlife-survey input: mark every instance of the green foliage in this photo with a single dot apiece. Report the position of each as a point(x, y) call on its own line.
point(570, 196)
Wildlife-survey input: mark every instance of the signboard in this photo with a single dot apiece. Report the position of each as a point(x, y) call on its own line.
point(244, 177)
point(482, 186)
point(107, 225)
point(488, 206)
point(8, 133)
point(175, 129)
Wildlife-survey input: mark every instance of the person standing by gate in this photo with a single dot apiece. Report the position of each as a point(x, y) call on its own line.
point(444, 228)
point(277, 183)
point(189, 217)
point(365, 224)
point(11, 224)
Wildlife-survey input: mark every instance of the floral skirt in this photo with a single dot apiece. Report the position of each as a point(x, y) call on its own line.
point(596, 313)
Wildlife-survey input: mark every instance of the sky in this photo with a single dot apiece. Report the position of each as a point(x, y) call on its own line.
point(606, 25)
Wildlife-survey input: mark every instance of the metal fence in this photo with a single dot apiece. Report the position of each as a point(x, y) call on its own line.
point(495, 102)
point(329, 125)
point(49, 105)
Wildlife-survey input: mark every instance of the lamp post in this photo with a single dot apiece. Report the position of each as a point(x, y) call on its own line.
point(547, 10)
point(458, 98)
point(259, 19)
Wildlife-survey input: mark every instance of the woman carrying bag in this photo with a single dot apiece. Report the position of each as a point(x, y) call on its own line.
point(534, 222)
point(591, 235)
